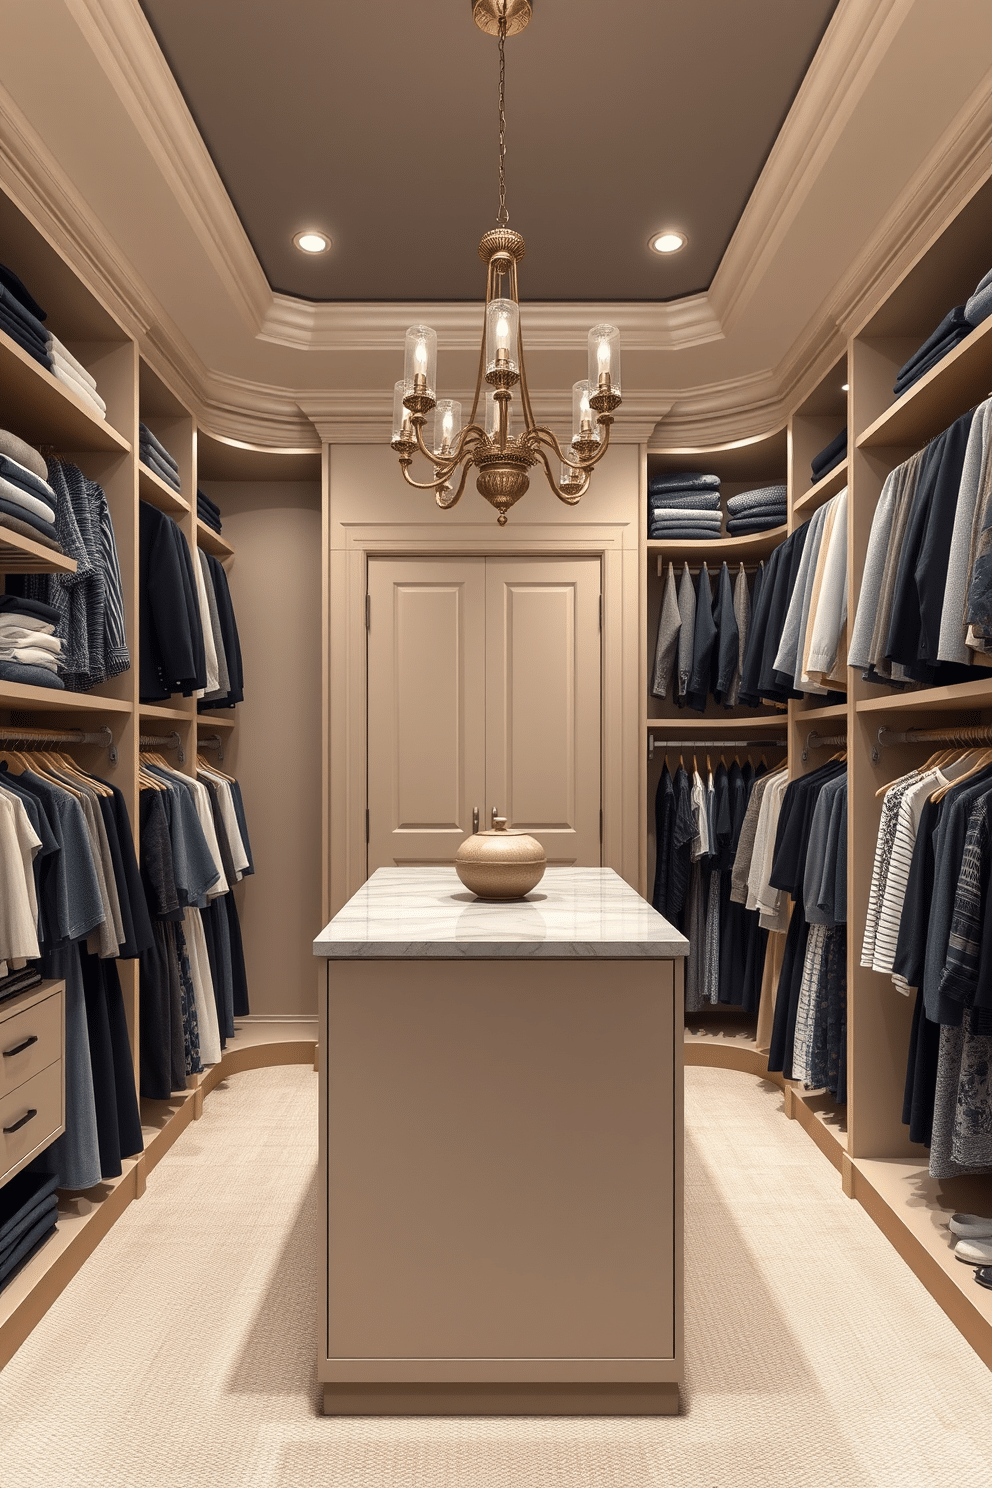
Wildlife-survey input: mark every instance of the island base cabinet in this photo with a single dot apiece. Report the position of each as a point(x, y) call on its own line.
point(502, 1170)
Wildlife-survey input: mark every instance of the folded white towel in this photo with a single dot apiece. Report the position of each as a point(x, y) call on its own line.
point(30, 656)
point(63, 352)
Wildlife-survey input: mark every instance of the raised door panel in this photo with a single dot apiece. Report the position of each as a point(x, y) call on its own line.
point(426, 707)
point(543, 702)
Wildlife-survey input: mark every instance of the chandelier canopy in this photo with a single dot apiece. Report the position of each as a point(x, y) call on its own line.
point(501, 459)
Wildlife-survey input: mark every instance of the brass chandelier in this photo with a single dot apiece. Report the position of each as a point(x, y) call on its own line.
point(502, 459)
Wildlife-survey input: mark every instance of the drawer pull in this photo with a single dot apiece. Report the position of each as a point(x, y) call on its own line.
point(19, 1048)
point(18, 1124)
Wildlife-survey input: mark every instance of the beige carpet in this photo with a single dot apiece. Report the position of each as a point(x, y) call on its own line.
point(183, 1353)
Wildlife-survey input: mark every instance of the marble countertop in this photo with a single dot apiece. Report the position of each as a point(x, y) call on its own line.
point(428, 914)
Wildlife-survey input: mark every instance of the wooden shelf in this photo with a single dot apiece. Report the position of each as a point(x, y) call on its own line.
point(23, 555)
point(821, 715)
point(719, 550)
point(211, 541)
point(717, 726)
point(963, 378)
point(153, 489)
point(53, 700)
point(962, 696)
point(817, 496)
point(176, 712)
point(209, 721)
point(43, 410)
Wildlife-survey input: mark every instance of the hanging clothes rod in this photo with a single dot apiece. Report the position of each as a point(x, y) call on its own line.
point(823, 741)
point(167, 741)
point(713, 567)
point(965, 733)
point(38, 738)
point(213, 741)
point(654, 744)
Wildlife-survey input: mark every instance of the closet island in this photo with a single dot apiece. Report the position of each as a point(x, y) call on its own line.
point(501, 1150)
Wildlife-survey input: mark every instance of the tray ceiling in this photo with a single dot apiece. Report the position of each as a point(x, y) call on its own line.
point(357, 120)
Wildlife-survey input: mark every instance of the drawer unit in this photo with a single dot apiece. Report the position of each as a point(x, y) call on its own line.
point(32, 1083)
point(30, 1040)
point(31, 1117)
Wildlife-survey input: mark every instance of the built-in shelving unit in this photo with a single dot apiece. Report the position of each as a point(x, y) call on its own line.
point(865, 1139)
point(46, 413)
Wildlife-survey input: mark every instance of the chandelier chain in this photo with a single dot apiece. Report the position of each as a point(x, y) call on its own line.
point(502, 216)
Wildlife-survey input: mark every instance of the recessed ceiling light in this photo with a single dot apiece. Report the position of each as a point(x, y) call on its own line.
point(845, 386)
point(669, 241)
point(312, 242)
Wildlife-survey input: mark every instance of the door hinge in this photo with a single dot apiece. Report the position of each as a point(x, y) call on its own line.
point(368, 612)
point(366, 826)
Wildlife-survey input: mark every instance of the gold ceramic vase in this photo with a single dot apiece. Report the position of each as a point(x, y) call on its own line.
point(499, 864)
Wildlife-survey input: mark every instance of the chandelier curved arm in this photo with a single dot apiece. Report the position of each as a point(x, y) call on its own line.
point(541, 434)
point(451, 460)
point(451, 501)
point(572, 498)
point(421, 485)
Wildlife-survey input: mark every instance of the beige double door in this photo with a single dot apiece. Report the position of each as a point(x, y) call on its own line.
point(484, 694)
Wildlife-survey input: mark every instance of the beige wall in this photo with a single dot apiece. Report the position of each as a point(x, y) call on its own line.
point(275, 583)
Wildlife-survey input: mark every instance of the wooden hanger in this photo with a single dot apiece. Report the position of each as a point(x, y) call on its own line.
point(983, 758)
point(210, 769)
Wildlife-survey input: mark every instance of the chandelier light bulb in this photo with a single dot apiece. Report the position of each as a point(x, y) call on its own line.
point(502, 334)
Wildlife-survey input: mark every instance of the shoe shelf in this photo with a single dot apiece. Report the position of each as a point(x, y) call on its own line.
point(960, 380)
point(155, 491)
point(23, 555)
point(810, 501)
point(45, 412)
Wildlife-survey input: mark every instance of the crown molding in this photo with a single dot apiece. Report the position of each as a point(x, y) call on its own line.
point(727, 412)
point(124, 44)
point(853, 46)
point(550, 325)
point(364, 416)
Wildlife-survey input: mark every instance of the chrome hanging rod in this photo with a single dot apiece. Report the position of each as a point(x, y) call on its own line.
point(654, 744)
point(38, 738)
point(750, 566)
point(164, 741)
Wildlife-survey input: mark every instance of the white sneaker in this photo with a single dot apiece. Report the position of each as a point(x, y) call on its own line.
point(974, 1252)
point(971, 1226)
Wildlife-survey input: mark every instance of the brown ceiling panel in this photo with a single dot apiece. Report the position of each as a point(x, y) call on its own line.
point(376, 122)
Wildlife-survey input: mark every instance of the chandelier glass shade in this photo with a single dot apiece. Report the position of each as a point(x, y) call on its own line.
point(501, 459)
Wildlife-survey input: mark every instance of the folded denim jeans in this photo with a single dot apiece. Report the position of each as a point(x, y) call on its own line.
point(827, 456)
point(18, 604)
point(20, 312)
point(905, 380)
point(148, 438)
point(163, 471)
point(21, 293)
point(25, 340)
point(683, 534)
point(683, 480)
point(29, 676)
point(761, 497)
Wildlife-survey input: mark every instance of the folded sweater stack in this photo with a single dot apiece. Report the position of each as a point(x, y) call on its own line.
point(21, 318)
point(208, 512)
point(29, 1211)
point(955, 326)
point(30, 651)
point(684, 505)
point(157, 458)
point(757, 510)
point(830, 456)
point(27, 501)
